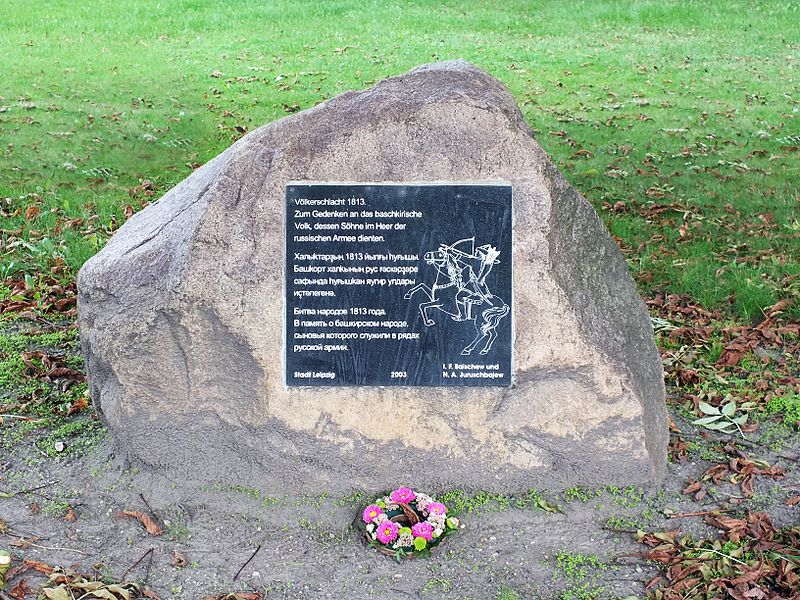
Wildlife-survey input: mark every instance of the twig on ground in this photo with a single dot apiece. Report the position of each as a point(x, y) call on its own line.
point(733, 496)
point(136, 564)
point(252, 556)
point(147, 569)
point(27, 490)
point(21, 418)
point(745, 442)
point(616, 530)
point(700, 513)
point(150, 508)
point(59, 549)
point(25, 537)
point(722, 554)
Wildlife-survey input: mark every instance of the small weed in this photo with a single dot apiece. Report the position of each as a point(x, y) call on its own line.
point(354, 499)
point(581, 571)
point(581, 494)
point(725, 419)
point(787, 405)
point(622, 522)
point(507, 593)
point(78, 436)
point(706, 451)
point(177, 527)
point(438, 584)
point(238, 488)
point(270, 501)
point(56, 508)
point(776, 435)
point(313, 500)
point(627, 497)
point(576, 566)
point(460, 502)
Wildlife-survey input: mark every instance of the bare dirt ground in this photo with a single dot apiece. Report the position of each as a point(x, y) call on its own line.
point(63, 511)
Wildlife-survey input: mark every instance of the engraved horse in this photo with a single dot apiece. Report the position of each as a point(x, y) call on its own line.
point(460, 291)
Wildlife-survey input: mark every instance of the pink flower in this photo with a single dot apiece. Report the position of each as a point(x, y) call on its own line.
point(402, 494)
point(371, 513)
point(423, 529)
point(436, 508)
point(387, 532)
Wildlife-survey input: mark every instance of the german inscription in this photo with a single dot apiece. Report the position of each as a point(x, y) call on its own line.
point(398, 284)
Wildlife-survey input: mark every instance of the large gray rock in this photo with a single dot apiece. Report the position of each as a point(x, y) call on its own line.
point(181, 316)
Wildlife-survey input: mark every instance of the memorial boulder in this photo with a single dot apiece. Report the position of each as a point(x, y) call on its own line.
point(395, 286)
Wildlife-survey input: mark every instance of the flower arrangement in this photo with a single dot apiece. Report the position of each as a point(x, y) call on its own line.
point(405, 522)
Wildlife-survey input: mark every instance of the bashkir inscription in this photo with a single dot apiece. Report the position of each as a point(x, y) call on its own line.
point(396, 284)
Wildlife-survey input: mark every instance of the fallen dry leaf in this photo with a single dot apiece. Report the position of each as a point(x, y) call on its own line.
point(19, 591)
point(178, 560)
point(78, 405)
point(146, 520)
point(41, 567)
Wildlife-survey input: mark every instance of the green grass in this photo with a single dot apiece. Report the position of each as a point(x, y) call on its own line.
point(691, 104)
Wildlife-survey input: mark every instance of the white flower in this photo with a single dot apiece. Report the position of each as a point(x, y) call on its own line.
point(423, 500)
point(437, 520)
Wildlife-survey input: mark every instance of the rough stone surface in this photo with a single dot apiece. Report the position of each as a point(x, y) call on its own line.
point(181, 316)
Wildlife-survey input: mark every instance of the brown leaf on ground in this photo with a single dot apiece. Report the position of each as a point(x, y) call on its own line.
point(70, 515)
point(23, 543)
point(78, 405)
point(760, 565)
point(678, 449)
point(735, 528)
point(794, 501)
point(40, 567)
point(716, 473)
point(178, 560)
point(693, 487)
point(20, 591)
point(653, 583)
point(146, 520)
point(65, 372)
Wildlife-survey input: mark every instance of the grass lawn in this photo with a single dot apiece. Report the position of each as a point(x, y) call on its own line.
point(678, 120)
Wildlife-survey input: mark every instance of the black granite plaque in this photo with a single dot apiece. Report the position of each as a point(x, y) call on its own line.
point(398, 284)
